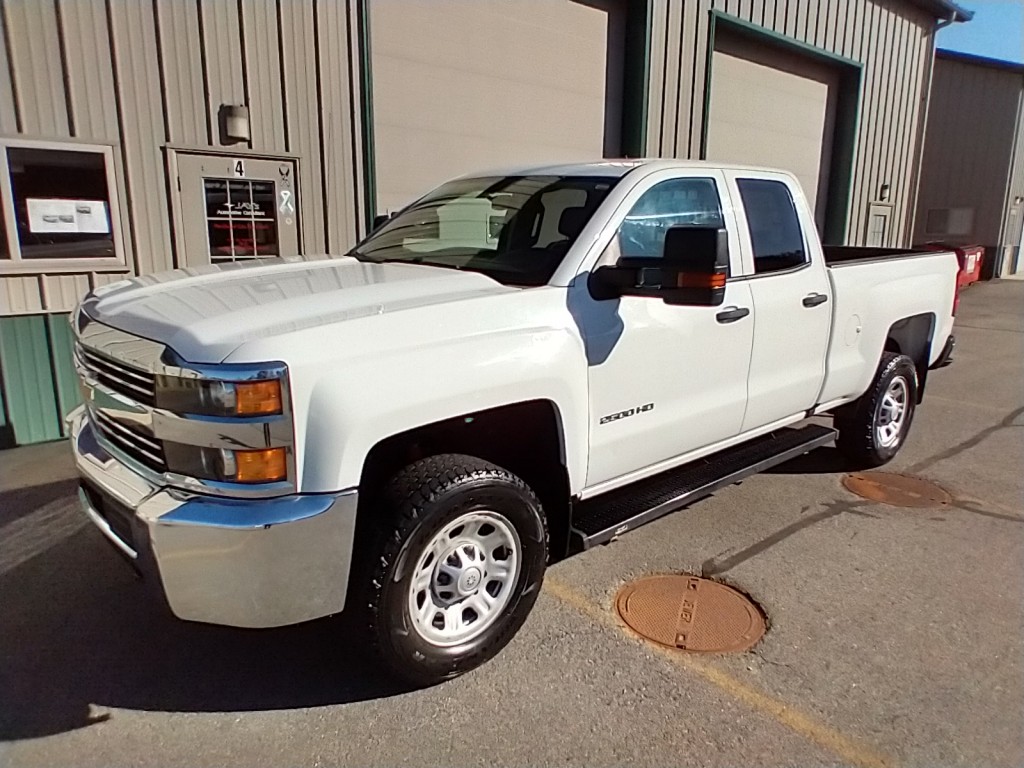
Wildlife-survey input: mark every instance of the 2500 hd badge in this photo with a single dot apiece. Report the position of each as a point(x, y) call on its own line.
point(625, 414)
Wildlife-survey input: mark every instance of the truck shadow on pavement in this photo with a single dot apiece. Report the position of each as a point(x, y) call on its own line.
point(79, 637)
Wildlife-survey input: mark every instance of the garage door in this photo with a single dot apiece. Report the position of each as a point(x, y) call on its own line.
point(468, 85)
point(773, 108)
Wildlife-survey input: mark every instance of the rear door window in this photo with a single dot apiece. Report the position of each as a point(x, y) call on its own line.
point(774, 226)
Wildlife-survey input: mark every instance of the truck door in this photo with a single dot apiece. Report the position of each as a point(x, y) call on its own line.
point(791, 299)
point(664, 380)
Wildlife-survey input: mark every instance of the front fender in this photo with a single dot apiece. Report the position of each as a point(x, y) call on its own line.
point(355, 404)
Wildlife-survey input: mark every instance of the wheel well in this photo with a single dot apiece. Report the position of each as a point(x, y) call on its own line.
point(524, 438)
point(912, 336)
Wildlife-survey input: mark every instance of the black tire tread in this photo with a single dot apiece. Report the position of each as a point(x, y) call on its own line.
point(856, 421)
point(407, 496)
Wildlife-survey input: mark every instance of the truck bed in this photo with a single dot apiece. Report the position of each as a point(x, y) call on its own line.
point(836, 255)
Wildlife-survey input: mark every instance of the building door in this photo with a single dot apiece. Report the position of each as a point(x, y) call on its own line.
point(463, 86)
point(233, 208)
point(879, 217)
point(774, 108)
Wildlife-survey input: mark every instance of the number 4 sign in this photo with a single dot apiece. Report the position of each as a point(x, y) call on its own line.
point(238, 168)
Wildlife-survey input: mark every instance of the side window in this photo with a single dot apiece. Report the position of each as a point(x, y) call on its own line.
point(690, 202)
point(774, 227)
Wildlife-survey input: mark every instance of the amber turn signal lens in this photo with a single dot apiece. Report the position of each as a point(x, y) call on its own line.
point(700, 280)
point(258, 398)
point(266, 466)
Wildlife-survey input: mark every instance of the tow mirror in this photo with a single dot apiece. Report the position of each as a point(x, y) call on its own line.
point(692, 270)
point(695, 266)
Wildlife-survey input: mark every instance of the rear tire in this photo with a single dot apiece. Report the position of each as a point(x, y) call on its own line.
point(461, 562)
point(873, 428)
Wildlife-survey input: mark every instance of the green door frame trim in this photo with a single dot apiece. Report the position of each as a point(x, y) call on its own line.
point(366, 113)
point(636, 80)
point(848, 103)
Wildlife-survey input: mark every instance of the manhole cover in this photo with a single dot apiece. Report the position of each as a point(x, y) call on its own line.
point(898, 490)
point(690, 613)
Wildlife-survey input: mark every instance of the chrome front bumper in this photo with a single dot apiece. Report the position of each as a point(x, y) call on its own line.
point(239, 562)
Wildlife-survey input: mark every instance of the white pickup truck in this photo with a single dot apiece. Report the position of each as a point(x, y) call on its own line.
point(515, 367)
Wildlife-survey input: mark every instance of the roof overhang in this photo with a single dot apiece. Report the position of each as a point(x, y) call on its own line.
point(981, 61)
point(945, 9)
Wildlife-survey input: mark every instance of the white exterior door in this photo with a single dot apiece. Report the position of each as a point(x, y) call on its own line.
point(792, 301)
point(664, 380)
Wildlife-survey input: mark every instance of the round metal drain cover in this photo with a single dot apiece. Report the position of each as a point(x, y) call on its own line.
point(690, 613)
point(897, 490)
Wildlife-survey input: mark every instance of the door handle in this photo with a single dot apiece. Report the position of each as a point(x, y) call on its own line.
point(732, 314)
point(815, 299)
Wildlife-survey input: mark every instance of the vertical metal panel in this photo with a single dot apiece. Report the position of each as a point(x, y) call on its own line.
point(968, 160)
point(62, 292)
point(89, 76)
point(693, 78)
point(339, 118)
point(36, 57)
point(98, 279)
point(263, 74)
point(27, 379)
point(302, 105)
point(702, 18)
point(222, 47)
point(181, 61)
point(63, 366)
point(1010, 234)
point(656, 79)
point(8, 106)
point(668, 128)
point(140, 115)
point(20, 295)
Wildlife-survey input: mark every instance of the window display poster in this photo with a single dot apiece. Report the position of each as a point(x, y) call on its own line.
point(70, 216)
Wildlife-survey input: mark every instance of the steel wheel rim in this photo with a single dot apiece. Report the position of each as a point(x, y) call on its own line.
point(892, 413)
point(464, 578)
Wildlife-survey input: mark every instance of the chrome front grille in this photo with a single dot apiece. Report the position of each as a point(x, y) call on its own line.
point(133, 383)
point(130, 440)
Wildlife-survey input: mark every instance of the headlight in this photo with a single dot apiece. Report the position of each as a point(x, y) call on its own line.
point(219, 398)
point(266, 465)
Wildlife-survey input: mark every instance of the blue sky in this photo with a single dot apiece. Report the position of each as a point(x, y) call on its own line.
point(997, 30)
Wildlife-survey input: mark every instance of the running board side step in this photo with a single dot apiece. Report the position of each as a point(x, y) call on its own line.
point(599, 520)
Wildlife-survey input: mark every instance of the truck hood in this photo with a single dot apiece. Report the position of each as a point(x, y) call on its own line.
point(206, 313)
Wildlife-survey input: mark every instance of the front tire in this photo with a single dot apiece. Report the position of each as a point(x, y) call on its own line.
point(873, 428)
point(461, 563)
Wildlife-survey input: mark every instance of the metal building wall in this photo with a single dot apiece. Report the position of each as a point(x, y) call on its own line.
point(143, 76)
point(973, 127)
point(146, 75)
point(893, 41)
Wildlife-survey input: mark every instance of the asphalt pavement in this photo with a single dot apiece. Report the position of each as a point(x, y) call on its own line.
point(895, 634)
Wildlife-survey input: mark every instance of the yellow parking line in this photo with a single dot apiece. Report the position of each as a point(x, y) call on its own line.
point(821, 734)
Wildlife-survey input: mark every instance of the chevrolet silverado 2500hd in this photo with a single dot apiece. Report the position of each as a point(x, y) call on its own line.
point(513, 367)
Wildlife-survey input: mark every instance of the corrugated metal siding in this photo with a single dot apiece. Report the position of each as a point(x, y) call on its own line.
point(35, 56)
point(299, 47)
point(83, 27)
point(27, 374)
point(8, 106)
point(891, 40)
point(973, 119)
point(141, 117)
point(140, 75)
point(262, 58)
point(1011, 236)
point(181, 67)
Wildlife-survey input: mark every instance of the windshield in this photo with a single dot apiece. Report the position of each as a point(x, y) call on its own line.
point(516, 229)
